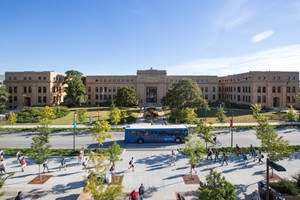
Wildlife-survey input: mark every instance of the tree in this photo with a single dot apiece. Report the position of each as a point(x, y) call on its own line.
point(256, 109)
point(3, 178)
point(221, 114)
point(81, 114)
point(12, 118)
point(204, 132)
point(185, 94)
point(75, 91)
point(40, 147)
point(291, 115)
point(100, 131)
point(188, 115)
point(126, 97)
point(115, 116)
point(4, 95)
point(114, 152)
point(216, 187)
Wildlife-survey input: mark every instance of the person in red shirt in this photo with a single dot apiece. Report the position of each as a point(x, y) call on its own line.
point(237, 149)
point(133, 195)
point(23, 163)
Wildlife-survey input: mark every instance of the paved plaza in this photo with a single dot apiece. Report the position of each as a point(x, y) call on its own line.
point(152, 168)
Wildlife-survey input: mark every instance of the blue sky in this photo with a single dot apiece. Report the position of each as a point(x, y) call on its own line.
point(118, 37)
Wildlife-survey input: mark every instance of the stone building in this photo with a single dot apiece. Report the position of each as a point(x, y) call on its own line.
point(34, 88)
point(269, 88)
point(150, 86)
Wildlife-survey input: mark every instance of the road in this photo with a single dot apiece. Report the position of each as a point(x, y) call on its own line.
point(85, 139)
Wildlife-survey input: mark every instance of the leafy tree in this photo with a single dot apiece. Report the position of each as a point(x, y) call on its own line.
point(47, 116)
point(114, 152)
point(185, 94)
point(3, 178)
point(297, 96)
point(76, 91)
point(126, 97)
point(4, 95)
point(221, 114)
point(188, 115)
point(81, 114)
point(204, 132)
point(216, 187)
point(256, 109)
point(115, 116)
point(291, 115)
point(100, 131)
point(12, 118)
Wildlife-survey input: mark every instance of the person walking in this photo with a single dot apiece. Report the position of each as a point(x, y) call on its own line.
point(251, 150)
point(224, 159)
point(260, 157)
point(133, 195)
point(23, 163)
point(1, 154)
point(209, 154)
point(131, 164)
point(141, 192)
point(237, 150)
point(20, 196)
point(63, 164)
point(18, 155)
point(173, 158)
point(85, 163)
point(245, 160)
point(45, 166)
point(217, 155)
point(179, 197)
point(254, 155)
point(2, 166)
point(193, 168)
point(81, 155)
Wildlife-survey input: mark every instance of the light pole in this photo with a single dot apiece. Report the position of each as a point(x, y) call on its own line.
point(74, 132)
point(231, 132)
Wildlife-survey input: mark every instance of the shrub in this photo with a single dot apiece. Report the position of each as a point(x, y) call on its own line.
point(285, 186)
point(60, 111)
point(29, 115)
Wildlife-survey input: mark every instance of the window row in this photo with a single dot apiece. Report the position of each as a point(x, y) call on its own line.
point(290, 99)
point(25, 78)
point(27, 89)
point(158, 133)
point(262, 99)
point(105, 89)
point(114, 80)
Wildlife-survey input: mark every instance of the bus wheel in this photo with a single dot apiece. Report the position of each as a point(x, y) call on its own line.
point(140, 141)
point(177, 140)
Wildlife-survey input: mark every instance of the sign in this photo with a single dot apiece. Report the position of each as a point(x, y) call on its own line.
point(231, 123)
point(75, 124)
point(276, 166)
point(91, 119)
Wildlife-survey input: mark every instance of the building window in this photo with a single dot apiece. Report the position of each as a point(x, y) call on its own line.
point(39, 89)
point(264, 89)
point(25, 78)
point(105, 89)
point(44, 99)
point(274, 78)
point(109, 89)
point(54, 99)
point(293, 99)
point(294, 89)
point(89, 89)
point(206, 89)
point(97, 96)
point(114, 89)
point(239, 89)
point(239, 98)
point(278, 77)
point(258, 78)
point(288, 89)
point(44, 78)
point(274, 89)
point(264, 99)
point(288, 99)
point(105, 96)
point(9, 78)
point(10, 99)
point(96, 89)
point(214, 97)
point(53, 89)
point(24, 90)
point(278, 89)
point(206, 96)
point(29, 90)
point(29, 78)
point(10, 89)
point(89, 97)
point(39, 99)
point(249, 98)
point(15, 99)
point(44, 90)
point(101, 89)
point(258, 89)
point(109, 97)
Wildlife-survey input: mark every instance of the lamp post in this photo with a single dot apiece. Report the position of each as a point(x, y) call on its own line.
point(74, 132)
point(231, 132)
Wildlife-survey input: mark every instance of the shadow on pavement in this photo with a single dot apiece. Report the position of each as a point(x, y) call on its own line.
point(69, 197)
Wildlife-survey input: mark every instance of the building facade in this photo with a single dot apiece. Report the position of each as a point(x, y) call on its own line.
point(150, 86)
point(34, 88)
point(270, 89)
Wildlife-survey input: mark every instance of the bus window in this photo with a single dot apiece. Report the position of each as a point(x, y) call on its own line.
point(132, 133)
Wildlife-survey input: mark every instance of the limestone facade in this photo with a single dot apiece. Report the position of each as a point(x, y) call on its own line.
point(269, 88)
point(34, 88)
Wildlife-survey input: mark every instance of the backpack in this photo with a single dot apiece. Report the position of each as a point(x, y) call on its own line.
point(130, 162)
point(262, 155)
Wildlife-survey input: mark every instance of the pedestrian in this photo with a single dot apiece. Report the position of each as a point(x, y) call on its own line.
point(245, 160)
point(237, 149)
point(224, 159)
point(131, 164)
point(260, 157)
point(112, 169)
point(141, 192)
point(173, 158)
point(209, 154)
point(217, 155)
point(63, 164)
point(193, 168)
point(179, 197)
point(23, 163)
point(85, 163)
point(18, 155)
point(2, 166)
point(1, 154)
point(81, 155)
point(251, 150)
point(254, 155)
point(20, 196)
point(133, 195)
point(215, 140)
point(45, 165)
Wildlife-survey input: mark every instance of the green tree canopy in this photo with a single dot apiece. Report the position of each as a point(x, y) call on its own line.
point(76, 91)
point(12, 118)
point(216, 187)
point(291, 115)
point(221, 114)
point(100, 131)
point(126, 97)
point(114, 152)
point(115, 115)
point(3, 178)
point(81, 114)
point(185, 94)
point(4, 95)
point(204, 132)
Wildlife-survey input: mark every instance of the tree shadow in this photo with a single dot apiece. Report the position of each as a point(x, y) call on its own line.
point(173, 177)
point(69, 197)
point(60, 188)
point(149, 191)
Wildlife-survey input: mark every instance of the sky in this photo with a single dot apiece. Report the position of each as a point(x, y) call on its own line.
point(118, 37)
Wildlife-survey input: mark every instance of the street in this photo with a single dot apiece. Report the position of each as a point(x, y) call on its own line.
point(85, 139)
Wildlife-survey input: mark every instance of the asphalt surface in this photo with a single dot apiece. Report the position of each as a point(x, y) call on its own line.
point(85, 139)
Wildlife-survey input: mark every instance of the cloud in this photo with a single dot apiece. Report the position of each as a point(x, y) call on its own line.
point(286, 58)
point(261, 36)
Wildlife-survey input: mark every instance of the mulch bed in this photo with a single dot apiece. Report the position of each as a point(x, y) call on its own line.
point(275, 177)
point(37, 180)
point(191, 179)
point(118, 177)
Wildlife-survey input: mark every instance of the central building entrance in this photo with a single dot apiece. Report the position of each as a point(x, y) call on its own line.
point(151, 95)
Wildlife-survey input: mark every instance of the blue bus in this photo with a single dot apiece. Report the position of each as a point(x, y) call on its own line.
point(156, 133)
